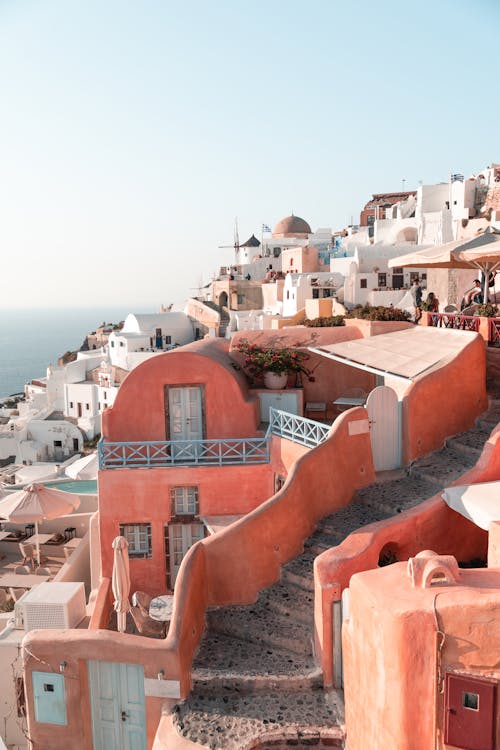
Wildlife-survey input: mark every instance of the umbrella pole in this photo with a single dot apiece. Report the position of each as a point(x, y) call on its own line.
point(37, 545)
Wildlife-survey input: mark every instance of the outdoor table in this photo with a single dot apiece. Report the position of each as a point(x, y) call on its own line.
point(160, 608)
point(70, 546)
point(16, 581)
point(38, 538)
point(350, 401)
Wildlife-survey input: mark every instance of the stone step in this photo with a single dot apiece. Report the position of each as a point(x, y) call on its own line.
point(302, 718)
point(351, 518)
point(471, 442)
point(288, 599)
point(442, 467)
point(226, 663)
point(257, 624)
point(391, 498)
point(299, 571)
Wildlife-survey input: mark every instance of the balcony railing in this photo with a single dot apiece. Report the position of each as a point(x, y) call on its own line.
point(494, 331)
point(299, 429)
point(183, 453)
point(453, 320)
point(223, 452)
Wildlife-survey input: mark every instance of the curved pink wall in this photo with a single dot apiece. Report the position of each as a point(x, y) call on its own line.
point(138, 412)
point(431, 525)
point(445, 401)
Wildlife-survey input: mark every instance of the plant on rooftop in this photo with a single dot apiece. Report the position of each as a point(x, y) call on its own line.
point(486, 311)
point(325, 322)
point(367, 312)
point(260, 359)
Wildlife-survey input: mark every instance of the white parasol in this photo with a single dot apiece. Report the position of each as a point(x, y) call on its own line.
point(37, 503)
point(120, 581)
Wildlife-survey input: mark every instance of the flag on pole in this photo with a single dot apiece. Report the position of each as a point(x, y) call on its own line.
point(266, 228)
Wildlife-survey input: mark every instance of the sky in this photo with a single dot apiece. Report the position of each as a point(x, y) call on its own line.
point(133, 133)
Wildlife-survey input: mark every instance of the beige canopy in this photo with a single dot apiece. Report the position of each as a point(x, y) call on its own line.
point(482, 252)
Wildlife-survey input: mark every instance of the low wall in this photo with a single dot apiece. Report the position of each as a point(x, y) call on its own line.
point(445, 401)
point(431, 525)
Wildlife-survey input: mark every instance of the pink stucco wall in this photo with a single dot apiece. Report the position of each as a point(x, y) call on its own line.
point(398, 645)
point(138, 412)
point(445, 401)
point(431, 525)
point(143, 496)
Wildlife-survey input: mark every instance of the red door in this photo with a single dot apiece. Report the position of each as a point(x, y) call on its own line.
point(470, 712)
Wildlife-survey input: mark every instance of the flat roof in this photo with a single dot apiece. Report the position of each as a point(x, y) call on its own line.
point(404, 354)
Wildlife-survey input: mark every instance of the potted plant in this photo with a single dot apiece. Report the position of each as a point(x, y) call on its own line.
point(273, 365)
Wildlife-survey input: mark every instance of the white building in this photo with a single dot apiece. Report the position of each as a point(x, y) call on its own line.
point(300, 287)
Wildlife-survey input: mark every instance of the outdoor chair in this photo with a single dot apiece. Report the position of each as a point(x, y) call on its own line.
point(28, 552)
point(16, 594)
point(146, 625)
point(22, 570)
point(142, 600)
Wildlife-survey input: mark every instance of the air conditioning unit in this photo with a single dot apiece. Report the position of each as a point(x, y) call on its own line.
point(18, 612)
point(51, 605)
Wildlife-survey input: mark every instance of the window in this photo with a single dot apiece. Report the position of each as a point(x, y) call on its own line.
point(397, 270)
point(138, 536)
point(57, 443)
point(112, 343)
point(414, 276)
point(122, 343)
point(276, 252)
point(184, 501)
point(291, 261)
point(71, 404)
point(240, 299)
point(168, 339)
point(105, 395)
point(363, 284)
point(315, 293)
point(87, 406)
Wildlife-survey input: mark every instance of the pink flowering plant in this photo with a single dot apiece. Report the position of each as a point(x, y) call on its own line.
point(259, 359)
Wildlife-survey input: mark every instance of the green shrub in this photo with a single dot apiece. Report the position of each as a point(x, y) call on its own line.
point(367, 312)
point(327, 322)
point(486, 311)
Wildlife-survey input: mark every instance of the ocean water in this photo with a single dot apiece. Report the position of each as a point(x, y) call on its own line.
point(30, 339)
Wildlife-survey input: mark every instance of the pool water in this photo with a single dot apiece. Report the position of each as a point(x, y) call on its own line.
point(78, 486)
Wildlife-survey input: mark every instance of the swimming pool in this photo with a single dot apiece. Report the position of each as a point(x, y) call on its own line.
point(79, 486)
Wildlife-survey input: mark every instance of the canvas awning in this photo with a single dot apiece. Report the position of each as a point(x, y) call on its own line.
point(403, 354)
point(480, 503)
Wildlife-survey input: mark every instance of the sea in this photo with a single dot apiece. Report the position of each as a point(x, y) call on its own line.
point(30, 339)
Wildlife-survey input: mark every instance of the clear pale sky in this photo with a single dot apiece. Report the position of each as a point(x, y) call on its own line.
point(134, 131)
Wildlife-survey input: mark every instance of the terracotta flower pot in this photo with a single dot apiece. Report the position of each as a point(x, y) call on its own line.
point(275, 380)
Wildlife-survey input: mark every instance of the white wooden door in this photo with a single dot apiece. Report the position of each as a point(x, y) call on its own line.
point(185, 412)
point(117, 705)
point(182, 536)
point(385, 434)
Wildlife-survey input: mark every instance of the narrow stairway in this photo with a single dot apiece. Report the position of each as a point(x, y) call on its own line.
point(254, 671)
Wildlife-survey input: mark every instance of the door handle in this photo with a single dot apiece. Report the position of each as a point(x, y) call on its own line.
point(125, 716)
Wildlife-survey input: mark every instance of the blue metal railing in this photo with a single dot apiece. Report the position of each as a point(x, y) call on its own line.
point(183, 453)
point(222, 452)
point(299, 429)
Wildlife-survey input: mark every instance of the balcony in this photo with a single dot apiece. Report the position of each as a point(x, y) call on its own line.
point(222, 452)
point(454, 320)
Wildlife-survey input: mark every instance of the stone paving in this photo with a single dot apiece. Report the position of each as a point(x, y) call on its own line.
point(254, 669)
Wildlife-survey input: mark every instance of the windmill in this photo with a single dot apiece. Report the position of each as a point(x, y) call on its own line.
point(236, 243)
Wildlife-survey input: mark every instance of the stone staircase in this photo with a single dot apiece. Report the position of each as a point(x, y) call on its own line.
point(254, 671)
point(224, 317)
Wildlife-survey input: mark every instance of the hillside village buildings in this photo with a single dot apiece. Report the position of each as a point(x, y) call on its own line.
point(290, 550)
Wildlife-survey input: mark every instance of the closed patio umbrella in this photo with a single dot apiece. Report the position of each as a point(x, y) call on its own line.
point(120, 581)
point(481, 252)
point(37, 503)
point(85, 468)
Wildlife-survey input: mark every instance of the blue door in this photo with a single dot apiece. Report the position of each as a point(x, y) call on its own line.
point(117, 705)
